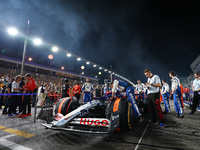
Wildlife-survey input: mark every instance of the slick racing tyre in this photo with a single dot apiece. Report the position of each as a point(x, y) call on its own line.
point(146, 107)
point(126, 115)
point(121, 113)
point(66, 105)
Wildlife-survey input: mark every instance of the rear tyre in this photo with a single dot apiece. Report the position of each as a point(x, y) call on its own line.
point(126, 115)
point(66, 105)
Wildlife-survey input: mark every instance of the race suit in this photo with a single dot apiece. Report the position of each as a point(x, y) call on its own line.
point(130, 94)
point(87, 89)
point(165, 95)
point(177, 95)
point(196, 98)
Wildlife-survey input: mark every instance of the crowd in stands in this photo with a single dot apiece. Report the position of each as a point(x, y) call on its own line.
point(46, 86)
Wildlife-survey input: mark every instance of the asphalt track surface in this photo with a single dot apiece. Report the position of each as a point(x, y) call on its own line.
point(179, 134)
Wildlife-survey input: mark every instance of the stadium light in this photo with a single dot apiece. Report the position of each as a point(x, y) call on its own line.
point(94, 65)
point(69, 55)
point(95, 76)
point(62, 68)
point(79, 59)
point(109, 71)
point(87, 62)
point(54, 48)
point(12, 31)
point(82, 67)
point(105, 70)
point(100, 68)
point(37, 41)
point(99, 73)
point(30, 59)
point(50, 56)
point(82, 73)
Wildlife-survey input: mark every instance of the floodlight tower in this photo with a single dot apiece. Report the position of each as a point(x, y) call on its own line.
point(25, 47)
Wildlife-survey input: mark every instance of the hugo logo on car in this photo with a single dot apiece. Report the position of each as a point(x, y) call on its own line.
point(92, 121)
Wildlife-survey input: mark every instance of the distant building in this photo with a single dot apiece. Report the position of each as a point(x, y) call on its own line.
point(195, 66)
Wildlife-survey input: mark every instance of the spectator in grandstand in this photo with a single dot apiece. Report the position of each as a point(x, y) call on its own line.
point(105, 89)
point(44, 91)
point(22, 89)
point(2, 98)
point(15, 89)
point(153, 95)
point(34, 96)
point(176, 91)
point(77, 91)
point(9, 98)
point(186, 91)
point(87, 90)
point(196, 90)
point(98, 91)
point(30, 86)
point(66, 89)
point(165, 95)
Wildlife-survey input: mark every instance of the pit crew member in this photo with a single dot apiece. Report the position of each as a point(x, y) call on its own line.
point(176, 91)
point(140, 87)
point(165, 95)
point(153, 96)
point(130, 94)
point(196, 89)
point(87, 90)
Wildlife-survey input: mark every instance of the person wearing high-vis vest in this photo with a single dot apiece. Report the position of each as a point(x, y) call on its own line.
point(165, 95)
point(176, 91)
point(87, 90)
point(196, 89)
point(129, 93)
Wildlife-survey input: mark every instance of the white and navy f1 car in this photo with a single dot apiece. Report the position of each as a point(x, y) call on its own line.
point(97, 116)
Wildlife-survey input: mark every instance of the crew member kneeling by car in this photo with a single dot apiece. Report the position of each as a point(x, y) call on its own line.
point(153, 96)
point(130, 94)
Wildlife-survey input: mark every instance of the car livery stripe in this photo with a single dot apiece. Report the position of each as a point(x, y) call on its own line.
point(68, 106)
point(129, 121)
point(116, 105)
point(92, 121)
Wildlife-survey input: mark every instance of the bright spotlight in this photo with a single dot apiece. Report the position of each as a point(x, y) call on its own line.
point(109, 71)
point(87, 62)
point(54, 48)
point(30, 59)
point(69, 55)
point(105, 70)
point(94, 65)
point(82, 73)
point(50, 56)
point(100, 68)
point(37, 41)
point(99, 73)
point(62, 68)
point(12, 31)
point(79, 59)
point(82, 67)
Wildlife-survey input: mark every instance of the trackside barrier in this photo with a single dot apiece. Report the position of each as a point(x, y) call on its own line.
point(18, 94)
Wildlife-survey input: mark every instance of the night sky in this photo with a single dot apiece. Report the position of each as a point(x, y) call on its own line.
point(129, 35)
